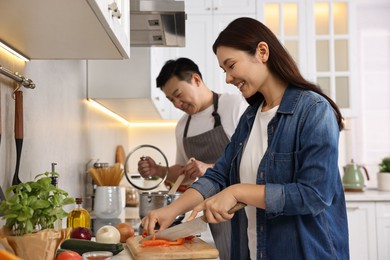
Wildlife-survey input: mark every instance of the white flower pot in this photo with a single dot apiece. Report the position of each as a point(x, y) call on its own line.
point(383, 181)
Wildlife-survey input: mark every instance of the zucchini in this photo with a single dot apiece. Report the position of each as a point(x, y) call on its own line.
point(59, 251)
point(82, 246)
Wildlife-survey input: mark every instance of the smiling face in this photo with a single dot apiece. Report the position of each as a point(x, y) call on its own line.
point(248, 73)
point(184, 95)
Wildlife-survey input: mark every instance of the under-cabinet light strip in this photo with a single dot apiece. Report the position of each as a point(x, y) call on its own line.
point(14, 52)
point(130, 124)
point(107, 111)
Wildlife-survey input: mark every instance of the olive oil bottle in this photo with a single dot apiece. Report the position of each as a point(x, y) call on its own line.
point(78, 217)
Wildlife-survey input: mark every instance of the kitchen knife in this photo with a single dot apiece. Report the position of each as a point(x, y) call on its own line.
point(188, 228)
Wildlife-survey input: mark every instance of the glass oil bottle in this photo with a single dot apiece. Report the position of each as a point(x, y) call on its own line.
point(78, 217)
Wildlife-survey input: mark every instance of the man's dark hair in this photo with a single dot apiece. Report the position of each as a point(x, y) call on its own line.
point(182, 68)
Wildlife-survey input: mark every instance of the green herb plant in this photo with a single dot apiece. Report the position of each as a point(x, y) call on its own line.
point(384, 166)
point(34, 205)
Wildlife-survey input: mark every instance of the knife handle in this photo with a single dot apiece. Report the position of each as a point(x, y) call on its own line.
point(18, 130)
point(236, 208)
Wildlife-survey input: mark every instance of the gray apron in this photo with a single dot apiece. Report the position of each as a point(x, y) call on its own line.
point(208, 147)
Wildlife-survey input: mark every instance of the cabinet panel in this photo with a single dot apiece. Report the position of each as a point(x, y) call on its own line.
point(128, 87)
point(220, 6)
point(383, 229)
point(198, 46)
point(45, 29)
point(204, 30)
point(383, 226)
point(362, 230)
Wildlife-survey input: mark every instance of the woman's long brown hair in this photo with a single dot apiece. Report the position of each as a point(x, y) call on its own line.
point(245, 34)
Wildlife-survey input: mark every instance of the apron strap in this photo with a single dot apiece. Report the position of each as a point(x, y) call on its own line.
point(217, 118)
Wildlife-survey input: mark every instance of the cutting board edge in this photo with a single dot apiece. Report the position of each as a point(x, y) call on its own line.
point(210, 252)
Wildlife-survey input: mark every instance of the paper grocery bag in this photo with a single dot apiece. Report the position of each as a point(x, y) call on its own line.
point(40, 245)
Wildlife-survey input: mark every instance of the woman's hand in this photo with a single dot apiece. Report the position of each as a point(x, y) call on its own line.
point(195, 169)
point(147, 167)
point(216, 207)
point(163, 216)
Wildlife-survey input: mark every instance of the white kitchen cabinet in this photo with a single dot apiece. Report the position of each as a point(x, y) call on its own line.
point(220, 6)
point(85, 29)
point(383, 229)
point(128, 87)
point(369, 224)
point(203, 27)
point(318, 34)
point(362, 230)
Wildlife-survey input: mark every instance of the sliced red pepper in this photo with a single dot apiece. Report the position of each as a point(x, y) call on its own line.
point(155, 242)
point(180, 241)
point(189, 237)
point(163, 242)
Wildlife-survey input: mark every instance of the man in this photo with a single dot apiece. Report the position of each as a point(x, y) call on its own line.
point(201, 134)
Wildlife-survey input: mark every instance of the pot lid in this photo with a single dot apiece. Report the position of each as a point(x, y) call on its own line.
point(131, 167)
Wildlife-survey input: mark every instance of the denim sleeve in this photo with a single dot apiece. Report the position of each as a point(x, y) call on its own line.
point(274, 196)
point(314, 170)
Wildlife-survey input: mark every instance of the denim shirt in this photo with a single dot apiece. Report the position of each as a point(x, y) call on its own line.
point(305, 215)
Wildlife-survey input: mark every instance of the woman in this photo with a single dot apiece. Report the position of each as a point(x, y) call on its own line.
point(281, 161)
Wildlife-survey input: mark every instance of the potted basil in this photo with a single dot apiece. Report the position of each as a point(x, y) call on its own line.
point(31, 210)
point(383, 176)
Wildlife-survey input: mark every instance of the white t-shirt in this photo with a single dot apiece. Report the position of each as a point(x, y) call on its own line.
point(250, 161)
point(230, 109)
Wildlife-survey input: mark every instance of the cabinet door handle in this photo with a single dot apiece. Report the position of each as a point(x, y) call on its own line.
point(353, 208)
point(113, 7)
point(215, 8)
point(117, 14)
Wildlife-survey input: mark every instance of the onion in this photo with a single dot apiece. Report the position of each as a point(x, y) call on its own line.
point(81, 233)
point(108, 234)
point(126, 231)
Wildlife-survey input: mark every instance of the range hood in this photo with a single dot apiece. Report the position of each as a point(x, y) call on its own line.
point(157, 23)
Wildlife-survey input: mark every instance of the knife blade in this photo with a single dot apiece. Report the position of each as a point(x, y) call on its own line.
point(188, 228)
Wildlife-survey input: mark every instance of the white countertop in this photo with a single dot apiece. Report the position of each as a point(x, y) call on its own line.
point(367, 195)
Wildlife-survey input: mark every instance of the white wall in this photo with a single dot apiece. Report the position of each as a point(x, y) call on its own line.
point(59, 125)
point(370, 140)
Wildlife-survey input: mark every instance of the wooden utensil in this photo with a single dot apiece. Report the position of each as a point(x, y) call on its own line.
point(2, 197)
point(18, 133)
point(193, 249)
point(120, 155)
point(179, 180)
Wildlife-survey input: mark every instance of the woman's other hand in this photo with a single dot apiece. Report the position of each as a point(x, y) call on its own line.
point(163, 216)
point(216, 207)
point(195, 169)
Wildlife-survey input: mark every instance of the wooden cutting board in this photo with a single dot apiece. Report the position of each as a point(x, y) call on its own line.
point(192, 249)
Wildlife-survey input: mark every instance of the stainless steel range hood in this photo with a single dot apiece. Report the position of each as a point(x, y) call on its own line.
point(157, 23)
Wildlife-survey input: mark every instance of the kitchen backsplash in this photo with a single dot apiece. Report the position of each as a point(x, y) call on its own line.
point(59, 125)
